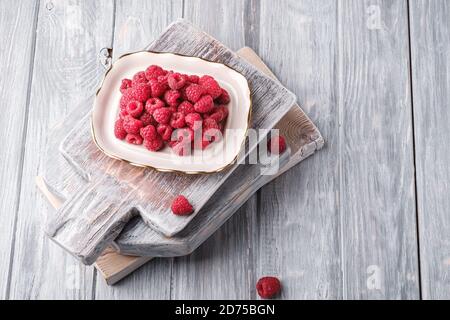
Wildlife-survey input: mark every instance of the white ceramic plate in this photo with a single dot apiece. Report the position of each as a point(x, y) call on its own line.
point(215, 157)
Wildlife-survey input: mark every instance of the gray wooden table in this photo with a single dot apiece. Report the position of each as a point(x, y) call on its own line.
point(367, 217)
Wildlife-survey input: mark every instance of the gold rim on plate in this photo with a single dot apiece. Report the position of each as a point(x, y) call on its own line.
point(141, 165)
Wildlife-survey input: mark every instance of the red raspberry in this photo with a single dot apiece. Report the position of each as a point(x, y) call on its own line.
point(204, 78)
point(224, 97)
point(201, 143)
point(153, 72)
point(135, 108)
point(149, 132)
point(162, 115)
point(157, 88)
point(212, 88)
point(139, 78)
point(177, 120)
point(193, 78)
point(185, 107)
point(165, 131)
point(184, 134)
point(126, 83)
point(124, 99)
point(123, 113)
point(164, 80)
point(210, 124)
point(154, 103)
point(171, 97)
point(147, 119)
point(276, 145)
point(194, 92)
point(218, 114)
point(181, 148)
point(181, 206)
point(176, 81)
point(140, 92)
point(193, 120)
point(134, 138)
point(204, 105)
point(132, 125)
point(119, 131)
point(155, 144)
point(211, 130)
point(268, 287)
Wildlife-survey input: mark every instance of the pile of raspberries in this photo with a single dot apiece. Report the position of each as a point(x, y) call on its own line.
point(160, 107)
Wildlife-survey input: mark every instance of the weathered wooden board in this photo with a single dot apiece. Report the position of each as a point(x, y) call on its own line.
point(92, 218)
point(17, 25)
point(70, 35)
point(430, 50)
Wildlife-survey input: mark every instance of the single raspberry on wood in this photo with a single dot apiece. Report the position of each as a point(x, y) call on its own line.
point(154, 145)
point(194, 120)
point(132, 125)
point(194, 92)
point(147, 119)
point(212, 88)
point(268, 287)
point(134, 138)
point(140, 91)
point(276, 145)
point(177, 120)
point(204, 105)
point(139, 78)
point(171, 97)
point(162, 115)
point(154, 103)
point(149, 132)
point(185, 107)
point(135, 108)
point(153, 72)
point(224, 97)
point(165, 131)
point(126, 83)
point(119, 131)
point(181, 206)
point(176, 81)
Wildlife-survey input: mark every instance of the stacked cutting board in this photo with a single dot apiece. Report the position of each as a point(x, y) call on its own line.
point(95, 222)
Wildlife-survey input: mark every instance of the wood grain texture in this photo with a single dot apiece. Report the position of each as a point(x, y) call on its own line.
point(17, 25)
point(137, 23)
point(430, 51)
point(377, 194)
point(70, 36)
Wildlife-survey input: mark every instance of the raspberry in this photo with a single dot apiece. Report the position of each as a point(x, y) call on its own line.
point(194, 92)
point(193, 78)
point(171, 97)
point(268, 287)
point(204, 105)
point(204, 78)
point(172, 109)
point(157, 88)
point(147, 119)
point(125, 99)
point(123, 113)
point(210, 124)
point(119, 131)
point(186, 107)
point(181, 206)
point(211, 130)
point(177, 120)
point(276, 145)
point(181, 148)
point(132, 125)
point(212, 88)
point(153, 72)
point(220, 113)
point(193, 120)
point(155, 144)
point(134, 138)
point(224, 97)
point(162, 115)
point(126, 83)
point(140, 92)
point(164, 80)
point(139, 78)
point(176, 81)
point(154, 103)
point(149, 132)
point(184, 134)
point(165, 131)
point(135, 108)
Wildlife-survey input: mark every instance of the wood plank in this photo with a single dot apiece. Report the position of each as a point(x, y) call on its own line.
point(223, 261)
point(377, 194)
point(430, 47)
point(137, 23)
point(66, 72)
point(17, 23)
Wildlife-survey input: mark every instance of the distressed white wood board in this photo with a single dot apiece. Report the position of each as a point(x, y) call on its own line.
point(93, 217)
point(430, 54)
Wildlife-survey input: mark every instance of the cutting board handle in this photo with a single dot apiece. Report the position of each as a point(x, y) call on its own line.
point(88, 222)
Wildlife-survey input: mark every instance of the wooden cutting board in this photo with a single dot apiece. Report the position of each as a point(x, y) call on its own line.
point(303, 139)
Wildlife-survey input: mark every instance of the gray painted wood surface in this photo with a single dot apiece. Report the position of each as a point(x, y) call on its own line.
point(341, 241)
